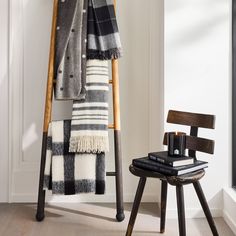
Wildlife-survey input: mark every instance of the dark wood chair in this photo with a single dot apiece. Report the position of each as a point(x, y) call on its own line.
point(193, 144)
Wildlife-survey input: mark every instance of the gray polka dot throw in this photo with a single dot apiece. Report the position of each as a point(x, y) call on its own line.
point(70, 52)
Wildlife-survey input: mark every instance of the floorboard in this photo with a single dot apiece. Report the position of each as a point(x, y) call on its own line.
point(94, 219)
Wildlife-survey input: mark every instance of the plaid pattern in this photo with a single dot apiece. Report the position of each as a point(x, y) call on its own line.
point(69, 173)
point(89, 127)
point(103, 35)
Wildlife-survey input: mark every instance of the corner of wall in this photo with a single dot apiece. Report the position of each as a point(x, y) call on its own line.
point(229, 208)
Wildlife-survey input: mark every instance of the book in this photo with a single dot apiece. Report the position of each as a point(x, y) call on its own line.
point(146, 163)
point(163, 157)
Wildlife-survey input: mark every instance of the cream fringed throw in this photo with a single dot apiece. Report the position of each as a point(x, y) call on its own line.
point(89, 127)
point(71, 173)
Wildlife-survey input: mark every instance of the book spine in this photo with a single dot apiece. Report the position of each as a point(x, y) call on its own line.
point(158, 159)
point(156, 168)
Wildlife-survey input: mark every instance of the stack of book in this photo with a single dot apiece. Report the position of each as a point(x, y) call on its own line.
point(161, 162)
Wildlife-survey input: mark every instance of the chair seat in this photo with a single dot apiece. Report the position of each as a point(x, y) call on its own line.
point(173, 180)
point(186, 179)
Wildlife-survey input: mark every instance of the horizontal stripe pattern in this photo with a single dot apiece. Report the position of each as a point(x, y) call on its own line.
point(87, 104)
point(89, 112)
point(89, 128)
point(88, 121)
point(92, 87)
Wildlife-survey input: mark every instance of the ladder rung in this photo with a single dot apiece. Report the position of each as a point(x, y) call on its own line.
point(111, 126)
point(111, 174)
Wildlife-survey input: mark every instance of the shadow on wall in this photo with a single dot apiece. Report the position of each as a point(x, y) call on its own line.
point(203, 20)
point(215, 200)
point(36, 64)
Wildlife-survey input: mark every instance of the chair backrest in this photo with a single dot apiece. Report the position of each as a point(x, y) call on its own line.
point(195, 121)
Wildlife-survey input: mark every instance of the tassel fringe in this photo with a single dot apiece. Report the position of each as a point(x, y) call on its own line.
point(110, 54)
point(89, 144)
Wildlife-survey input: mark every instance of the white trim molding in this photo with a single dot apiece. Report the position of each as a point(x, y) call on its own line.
point(22, 173)
point(229, 208)
point(4, 85)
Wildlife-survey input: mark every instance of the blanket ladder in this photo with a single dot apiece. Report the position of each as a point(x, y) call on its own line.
point(115, 126)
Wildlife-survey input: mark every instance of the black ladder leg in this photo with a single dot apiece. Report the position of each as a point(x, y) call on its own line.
point(164, 186)
point(119, 182)
point(41, 193)
point(205, 207)
point(136, 204)
point(181, 212)
point(47, 114)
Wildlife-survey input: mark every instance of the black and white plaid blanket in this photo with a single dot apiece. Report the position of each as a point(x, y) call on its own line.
point(103, 35)
point(69, 173)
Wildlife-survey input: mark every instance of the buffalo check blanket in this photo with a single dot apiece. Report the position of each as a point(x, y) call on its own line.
point(71, 173)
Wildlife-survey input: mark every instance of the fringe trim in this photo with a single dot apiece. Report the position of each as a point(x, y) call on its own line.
point(89, 144)
point(110, 54)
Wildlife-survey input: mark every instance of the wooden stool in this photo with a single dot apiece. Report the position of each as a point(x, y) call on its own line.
point(193, 143)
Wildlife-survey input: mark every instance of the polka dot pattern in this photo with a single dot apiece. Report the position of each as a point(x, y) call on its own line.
point(71, 72)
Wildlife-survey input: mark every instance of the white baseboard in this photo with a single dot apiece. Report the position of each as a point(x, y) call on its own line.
point(193, 213)
point(107, 198)
point(230, 221)
point(229, 212)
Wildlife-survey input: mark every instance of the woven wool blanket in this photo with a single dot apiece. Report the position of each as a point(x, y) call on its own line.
point(70, 49)
point(69, 173)
point(103, 35)
point(89, 126)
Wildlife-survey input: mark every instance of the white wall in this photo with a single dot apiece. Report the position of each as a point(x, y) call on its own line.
point(140, 89)
point(198, 79)
point(4, 100)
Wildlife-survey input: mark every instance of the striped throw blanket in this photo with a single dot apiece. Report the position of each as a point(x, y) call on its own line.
point(89, 127)
point(69, 173)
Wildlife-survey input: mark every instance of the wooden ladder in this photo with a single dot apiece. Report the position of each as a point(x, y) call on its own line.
point(115, 126)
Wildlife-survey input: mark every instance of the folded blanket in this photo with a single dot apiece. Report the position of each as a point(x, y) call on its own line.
point(70, 49)
point(89, 127)
point(69, 173)
point(103, 35)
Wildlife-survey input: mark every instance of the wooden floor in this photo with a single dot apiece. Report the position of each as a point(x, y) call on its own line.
point(93, 219)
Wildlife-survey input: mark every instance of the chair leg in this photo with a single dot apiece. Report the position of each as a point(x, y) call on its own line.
point(180, 206)
point(205, 207)
point(164, 186)
point(136, 204)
